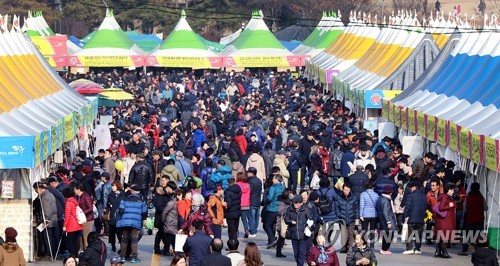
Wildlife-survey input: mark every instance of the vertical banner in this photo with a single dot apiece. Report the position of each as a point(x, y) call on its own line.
point(392, 113)
point(431, 128)
point(68, 128)
point(482, 150)
point(441, 131)
point(421, 124)
point(38, 150)
point(490, 153)
point(102, 138)
point(475, 148)
point(404, 118)
point(411, 121)
point(385, 109)
point(454, 137)
point(426, 126)
point(465, 143)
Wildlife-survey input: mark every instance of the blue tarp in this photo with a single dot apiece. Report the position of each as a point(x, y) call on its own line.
point(290, 45)
point(76, 41)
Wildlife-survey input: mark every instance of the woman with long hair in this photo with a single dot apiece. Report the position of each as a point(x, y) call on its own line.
point(252, 256)
point(71, 226)
point(178, 260)
point(114, 199)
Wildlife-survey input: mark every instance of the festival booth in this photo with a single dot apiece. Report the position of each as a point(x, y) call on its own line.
point(40, 116)
point(54, 48)
point(329, 28)
point(109, 47)
point(346, 50)
point(256, 46)
point(400, 54)
point(183, 48)
point(455, 110)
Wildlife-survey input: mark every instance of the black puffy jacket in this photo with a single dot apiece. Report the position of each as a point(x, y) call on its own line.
point(415, 206)
point(484, 257)
point(347, 208)
point(300, 217)
point(357, 181)
point(385, 213)
point(95, 254)
point(232, 196)
point(141, 174)
point(255, 191)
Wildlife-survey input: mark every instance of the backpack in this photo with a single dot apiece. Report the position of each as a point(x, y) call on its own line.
point(336, 158)
point(325, 204)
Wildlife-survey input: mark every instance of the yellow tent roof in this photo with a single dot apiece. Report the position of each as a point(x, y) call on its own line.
point(116, 94)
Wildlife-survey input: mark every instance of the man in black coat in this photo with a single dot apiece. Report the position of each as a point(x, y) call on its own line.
point(255, 194)
point(232, 196)
point(305, 145)
point(415, 206)
point(197, 246)
point(216, 258)
point(141, 174)
point(358, 181)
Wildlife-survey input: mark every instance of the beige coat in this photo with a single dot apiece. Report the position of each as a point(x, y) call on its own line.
point(282, 164)
point(255, 160)
point(11, 254)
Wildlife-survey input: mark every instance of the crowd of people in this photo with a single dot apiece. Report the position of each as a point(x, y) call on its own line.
point(200, 152)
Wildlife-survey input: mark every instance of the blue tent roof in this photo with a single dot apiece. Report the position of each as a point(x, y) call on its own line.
point(291, 45)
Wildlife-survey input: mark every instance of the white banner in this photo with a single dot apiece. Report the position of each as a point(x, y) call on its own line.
point(102, 138)
point(413, 146)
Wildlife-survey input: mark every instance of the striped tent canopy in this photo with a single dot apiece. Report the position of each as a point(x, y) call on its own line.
point(34, 101)
point(347, 49)
point(326, 32)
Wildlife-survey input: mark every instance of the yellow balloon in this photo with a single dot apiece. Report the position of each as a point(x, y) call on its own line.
point(119, 165)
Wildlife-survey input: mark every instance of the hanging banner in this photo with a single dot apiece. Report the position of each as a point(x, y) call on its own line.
point(482, 149)
point(475, 148)
point(102, 138)
point(412, 125)
point(441, 131)
point(431, 128)
point(68, 128)
point(426, 125)
point(490, 153)
point(330, 73)
point(38, 150)
point(454, 137)
point(16, 152)
point(183, 61)
point(465, 144)
point(397, 116)
point(373, 98)
point(370, 125)
point(53, 140)
point(45, 145)
point(262, 61)
point(385, 109)
point(50, 45)
point(421, 124)
point(106, 61)
point(404, 118)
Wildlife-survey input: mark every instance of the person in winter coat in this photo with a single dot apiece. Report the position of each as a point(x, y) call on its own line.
point(170, 217)
point(184, 205)
point(102, 193)
point(347, 209)
point(446, 225)
point(242, 141)
point(329, 216)
point(256, 161)
point(11, 254)
point(197, 245)
point(114, 199)
point(298, 219)
point(368, 210)
point(216, 207)
point(255, 200)
point(85, 203)
point(322, 254)
point(160, 200)
point(236, 167)
point(71, 226)
point(268, 156)
point(281, 161)
point(131, 213)
point(241, 181)
point(387, 218)
point(358, 181)
point(475, 205)
point(221, 176)
point(383, 181)
point(198, 136)
point(141, 175)
point(484, 256)
point(284, 202)
point(346, 161)
point(272, 210)
point(293, 166)
point(172, 172)
point(364, 157)
point(95, 253)
point(199, 211)
point(361, 254)
point(414, 213)
point(232, 197)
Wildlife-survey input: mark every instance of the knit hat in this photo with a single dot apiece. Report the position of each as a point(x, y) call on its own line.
point(10, 233)
point(297, 199)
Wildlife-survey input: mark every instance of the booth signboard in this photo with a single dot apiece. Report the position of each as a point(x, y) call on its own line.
point(7, 189)
point(16, 152)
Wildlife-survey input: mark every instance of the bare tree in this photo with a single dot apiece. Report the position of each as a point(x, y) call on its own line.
point(421, 7)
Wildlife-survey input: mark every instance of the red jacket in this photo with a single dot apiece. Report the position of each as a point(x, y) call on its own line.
point(201, 214)
point(447, 224)
point(70, 221)
point(242, 143)
point(475, 209)
point(87, 206)
point(313, 254)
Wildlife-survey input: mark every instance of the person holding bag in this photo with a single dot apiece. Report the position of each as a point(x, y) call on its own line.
point(281, 227)
point(361, 254)
point(445, 218)
point(73, 230)
point(299, 220)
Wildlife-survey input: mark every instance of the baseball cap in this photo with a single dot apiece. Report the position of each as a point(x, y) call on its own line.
point(252, 170)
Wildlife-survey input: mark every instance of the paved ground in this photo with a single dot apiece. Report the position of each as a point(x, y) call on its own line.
point(427, 258)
